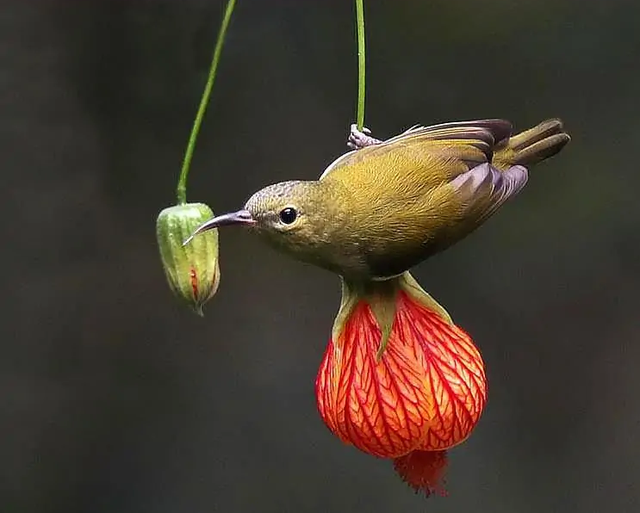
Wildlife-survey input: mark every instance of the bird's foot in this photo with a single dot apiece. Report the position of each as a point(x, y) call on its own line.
point(360, 139)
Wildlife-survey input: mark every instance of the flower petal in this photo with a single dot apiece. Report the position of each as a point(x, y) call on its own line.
point(426, 392)
point(455, 373)
point(378, 406)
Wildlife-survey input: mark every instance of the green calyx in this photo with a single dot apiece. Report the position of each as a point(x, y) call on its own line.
point(192, 270)
point(413, 288)
point(382, 298)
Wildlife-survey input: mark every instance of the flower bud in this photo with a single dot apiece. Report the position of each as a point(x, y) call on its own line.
point(192, 270)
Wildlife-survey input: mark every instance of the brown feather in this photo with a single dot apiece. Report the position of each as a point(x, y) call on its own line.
point(532, 146)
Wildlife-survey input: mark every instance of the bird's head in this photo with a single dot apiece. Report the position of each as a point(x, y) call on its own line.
point(295, 217)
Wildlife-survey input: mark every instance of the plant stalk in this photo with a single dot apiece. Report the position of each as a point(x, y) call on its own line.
point(181, 189)
point(361, 63)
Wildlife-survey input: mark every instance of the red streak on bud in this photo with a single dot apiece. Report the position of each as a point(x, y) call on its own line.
point(427, 391)
point(423, 471)
point(194, 282)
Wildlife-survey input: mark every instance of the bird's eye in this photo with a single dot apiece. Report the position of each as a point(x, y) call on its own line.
point(288, 215)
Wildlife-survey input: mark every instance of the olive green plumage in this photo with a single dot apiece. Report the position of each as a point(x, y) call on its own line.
point(380, 210)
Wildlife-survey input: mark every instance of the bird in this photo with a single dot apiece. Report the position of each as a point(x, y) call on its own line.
point(399, 378)
point(386, 206)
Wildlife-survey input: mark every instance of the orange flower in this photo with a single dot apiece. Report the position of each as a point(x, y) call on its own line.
point(423, 395)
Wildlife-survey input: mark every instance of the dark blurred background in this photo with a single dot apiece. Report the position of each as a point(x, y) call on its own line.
point(115, 398)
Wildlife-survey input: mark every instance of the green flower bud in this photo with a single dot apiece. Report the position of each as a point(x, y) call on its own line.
point(192, 270)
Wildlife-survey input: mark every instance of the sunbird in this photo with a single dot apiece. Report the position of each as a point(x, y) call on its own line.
point(399, 379)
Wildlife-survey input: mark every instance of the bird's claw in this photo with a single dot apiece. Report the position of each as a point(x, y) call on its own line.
point(359, 139)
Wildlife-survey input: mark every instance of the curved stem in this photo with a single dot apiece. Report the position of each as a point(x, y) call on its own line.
point(181, 189)
point(361, 63)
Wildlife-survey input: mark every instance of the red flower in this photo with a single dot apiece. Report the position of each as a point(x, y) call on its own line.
point(424, 395)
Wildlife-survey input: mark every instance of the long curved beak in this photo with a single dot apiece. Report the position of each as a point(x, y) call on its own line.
point(239, 217)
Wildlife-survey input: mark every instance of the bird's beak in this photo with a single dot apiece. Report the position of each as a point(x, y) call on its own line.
point(239, 217)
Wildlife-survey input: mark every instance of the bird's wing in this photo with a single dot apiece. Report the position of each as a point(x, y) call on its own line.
point(399, 234)
point(484, 189)
point(439, 181)
point(469, 142)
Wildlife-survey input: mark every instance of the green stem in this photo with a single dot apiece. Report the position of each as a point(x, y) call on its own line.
point(361, 63)
point(181, 189)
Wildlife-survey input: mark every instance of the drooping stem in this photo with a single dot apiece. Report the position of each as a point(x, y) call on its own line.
point(361, 63)
point(181, 189)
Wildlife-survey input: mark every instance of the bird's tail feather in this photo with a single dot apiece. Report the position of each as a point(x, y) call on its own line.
point(532, 146)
